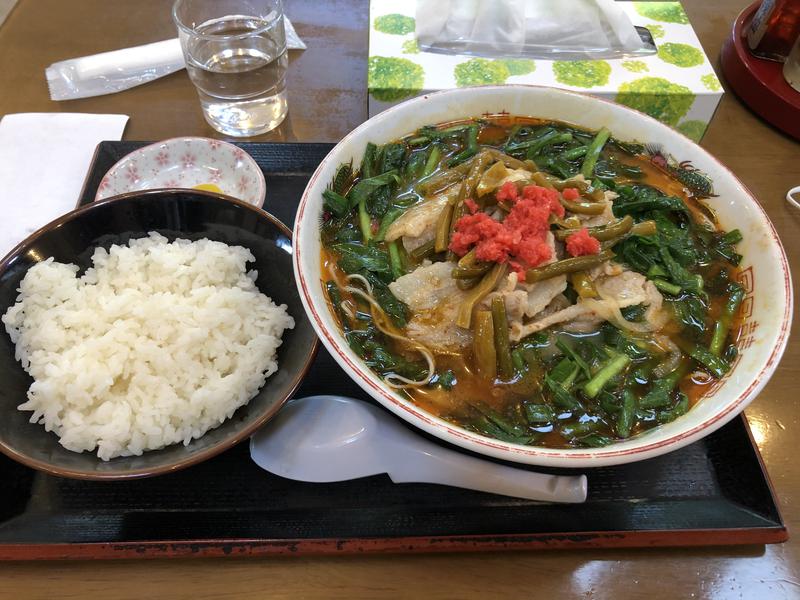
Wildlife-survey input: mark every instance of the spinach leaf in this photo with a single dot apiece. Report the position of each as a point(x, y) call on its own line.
point(367, 343)
point(639, 252)
point(446, 380)
point(722, 245)
point(392, 157)
point(395, 309)
point(678, 274)
point(611, 168)
point(367, 169)
point(379, 201)
point(635, 199)
point(357, 257)
point(335, 203)
point(692, 313)
point(348, 232)
point(364, 188)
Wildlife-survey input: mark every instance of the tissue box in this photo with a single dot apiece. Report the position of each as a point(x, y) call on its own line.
point(677, 86)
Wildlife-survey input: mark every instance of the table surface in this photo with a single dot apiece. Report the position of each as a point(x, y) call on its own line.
point(327, 99)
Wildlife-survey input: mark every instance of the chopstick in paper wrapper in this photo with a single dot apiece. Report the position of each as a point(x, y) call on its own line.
point(119, 70)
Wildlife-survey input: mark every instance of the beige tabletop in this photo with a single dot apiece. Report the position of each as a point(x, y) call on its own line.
point(327, 100)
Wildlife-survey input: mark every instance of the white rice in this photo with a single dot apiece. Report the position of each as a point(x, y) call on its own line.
point(155, 344)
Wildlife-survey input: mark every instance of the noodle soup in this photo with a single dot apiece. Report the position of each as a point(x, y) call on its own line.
point(531, 281)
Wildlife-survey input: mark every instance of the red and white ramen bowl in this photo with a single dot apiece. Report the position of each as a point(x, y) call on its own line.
point(764, 269)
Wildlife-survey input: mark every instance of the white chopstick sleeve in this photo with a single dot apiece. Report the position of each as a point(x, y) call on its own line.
point(114, 71)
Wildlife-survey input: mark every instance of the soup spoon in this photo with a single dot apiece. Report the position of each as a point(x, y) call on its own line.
point(333, 438)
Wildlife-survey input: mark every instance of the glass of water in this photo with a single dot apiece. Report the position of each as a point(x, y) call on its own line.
point(235, 53)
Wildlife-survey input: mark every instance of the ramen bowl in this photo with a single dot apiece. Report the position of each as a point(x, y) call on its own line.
point(764, 272)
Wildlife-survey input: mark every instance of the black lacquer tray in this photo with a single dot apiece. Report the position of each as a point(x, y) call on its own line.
point(714, 492)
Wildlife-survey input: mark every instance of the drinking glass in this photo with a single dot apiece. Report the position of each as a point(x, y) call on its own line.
point(236, 57)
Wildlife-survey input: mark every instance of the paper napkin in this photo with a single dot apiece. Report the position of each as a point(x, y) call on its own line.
point(43, 162)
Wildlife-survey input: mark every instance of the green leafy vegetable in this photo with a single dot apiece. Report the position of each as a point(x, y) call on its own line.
point(644, 198)
point(539, 413)
point(722, 325)
point(612, 368)
point(593, 152)
point(357, 257)
point(336, 203)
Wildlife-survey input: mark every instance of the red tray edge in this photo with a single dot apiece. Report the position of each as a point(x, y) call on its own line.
point(305, 547)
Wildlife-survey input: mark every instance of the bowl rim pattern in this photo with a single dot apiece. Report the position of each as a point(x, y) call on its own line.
point(578, 458)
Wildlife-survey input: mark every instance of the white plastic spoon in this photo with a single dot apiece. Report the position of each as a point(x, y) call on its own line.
point(332, 438)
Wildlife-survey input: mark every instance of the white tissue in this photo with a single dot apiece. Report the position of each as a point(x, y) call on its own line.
point(43, 162)
point(119, 70)
point(563, 30)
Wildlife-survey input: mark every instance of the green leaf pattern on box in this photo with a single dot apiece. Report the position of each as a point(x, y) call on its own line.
point(410, 47)
point(635, 66)
point(658, 97)
point(693, 129)
point(481, 71)
point(519, 66)
point(681, 55)
point(677, 85)
point(668, 12)
point(394, 78)
point(711, 82)
point(582, 73)
point(394, 24)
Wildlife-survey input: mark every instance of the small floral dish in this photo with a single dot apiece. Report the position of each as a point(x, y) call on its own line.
point(188, 163)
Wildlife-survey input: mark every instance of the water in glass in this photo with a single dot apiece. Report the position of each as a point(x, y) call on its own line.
point(238, 65)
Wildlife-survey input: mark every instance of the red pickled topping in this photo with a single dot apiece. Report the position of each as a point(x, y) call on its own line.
point(508, 191)
point(471, 205)
point(570, 194)
point(544, 197)
point(581, 243)
point(521, 236)
point(472, 229)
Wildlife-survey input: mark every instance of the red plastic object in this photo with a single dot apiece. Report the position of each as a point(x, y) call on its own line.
point(759, 83)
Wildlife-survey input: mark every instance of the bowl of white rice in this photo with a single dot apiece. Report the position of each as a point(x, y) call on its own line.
point(146, 333)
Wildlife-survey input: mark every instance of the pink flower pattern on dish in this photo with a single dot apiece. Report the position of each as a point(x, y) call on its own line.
point(132, 173)
point(188, 160)
point(185, 163)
